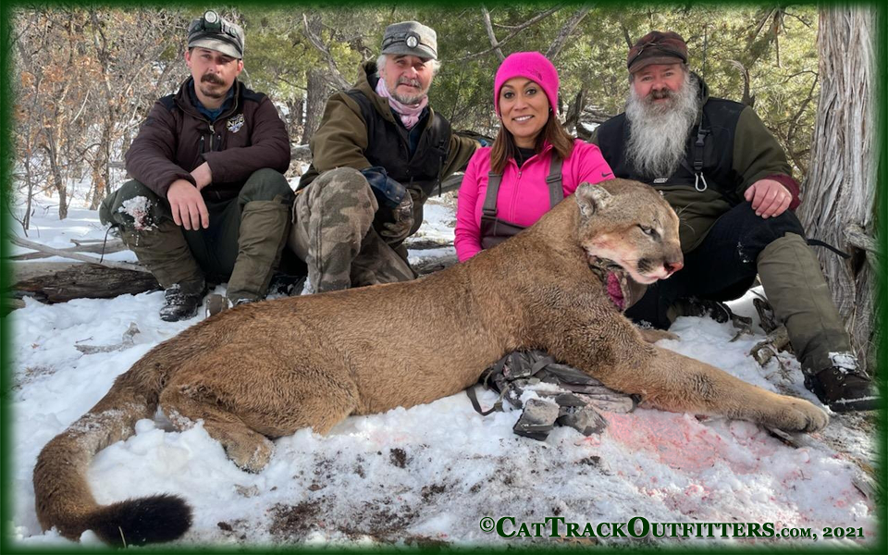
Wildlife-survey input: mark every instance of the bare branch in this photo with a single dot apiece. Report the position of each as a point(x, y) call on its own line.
point(858, 237)
point(99, 247)
point(315, 41)
point(73, 255)
point(535, 19)
point(490, 34)
point(565, 32)
point(804, 21)
point(626, 35)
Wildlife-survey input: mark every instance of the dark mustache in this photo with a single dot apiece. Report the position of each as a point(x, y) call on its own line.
point(212, 78)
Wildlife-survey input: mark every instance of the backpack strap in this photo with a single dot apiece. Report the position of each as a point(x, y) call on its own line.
point(703, 131)
point(493, 186)
point(555, 180)
point(497, 406)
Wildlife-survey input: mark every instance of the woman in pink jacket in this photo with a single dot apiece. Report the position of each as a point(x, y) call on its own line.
point(532, 165)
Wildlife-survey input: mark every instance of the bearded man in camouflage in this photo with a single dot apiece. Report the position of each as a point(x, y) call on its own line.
point(379, 152)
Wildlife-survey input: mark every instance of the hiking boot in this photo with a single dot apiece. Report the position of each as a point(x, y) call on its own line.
point(692, 306)
point(843, 389)
point(220, 303)
point(181, 302)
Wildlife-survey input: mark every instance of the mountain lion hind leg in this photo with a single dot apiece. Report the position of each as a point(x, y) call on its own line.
point(243, 405)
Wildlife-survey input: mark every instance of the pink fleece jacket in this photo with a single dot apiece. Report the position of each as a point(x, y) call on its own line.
point(523, 195)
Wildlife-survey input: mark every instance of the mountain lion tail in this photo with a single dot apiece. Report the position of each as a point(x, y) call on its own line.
point(63, 497)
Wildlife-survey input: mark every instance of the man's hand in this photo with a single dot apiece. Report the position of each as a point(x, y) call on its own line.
point(769, 198)
point(188, 206)
point(397, 231)
point(202, 175)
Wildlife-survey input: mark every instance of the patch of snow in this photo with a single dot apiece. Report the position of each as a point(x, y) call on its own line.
point(428, 474)
point(137, 208)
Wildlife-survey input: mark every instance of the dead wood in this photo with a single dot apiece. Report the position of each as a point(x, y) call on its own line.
point(62, 282)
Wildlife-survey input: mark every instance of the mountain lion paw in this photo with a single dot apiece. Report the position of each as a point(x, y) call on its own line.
point(798, 415)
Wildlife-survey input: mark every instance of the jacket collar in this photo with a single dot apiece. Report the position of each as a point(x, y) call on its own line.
point(184, 99)
point(547, 146)
point(366, 84)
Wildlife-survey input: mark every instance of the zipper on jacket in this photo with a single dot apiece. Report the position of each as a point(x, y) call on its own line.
point(212, 136)
point(201, 149)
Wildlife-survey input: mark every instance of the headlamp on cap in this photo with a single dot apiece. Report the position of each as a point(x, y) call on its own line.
point(210, 22)
point(411, 39)
point(212, 26)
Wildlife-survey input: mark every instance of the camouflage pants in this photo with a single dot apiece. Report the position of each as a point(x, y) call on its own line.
point(333, 233)
point(242, 245)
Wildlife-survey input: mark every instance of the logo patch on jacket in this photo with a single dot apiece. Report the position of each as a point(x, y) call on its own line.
point(234, 124)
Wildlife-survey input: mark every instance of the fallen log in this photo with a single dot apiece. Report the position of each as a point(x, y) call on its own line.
point(59, 282)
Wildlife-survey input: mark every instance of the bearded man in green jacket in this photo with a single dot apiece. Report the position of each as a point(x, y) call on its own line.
point(379, 152)
point(730, 182)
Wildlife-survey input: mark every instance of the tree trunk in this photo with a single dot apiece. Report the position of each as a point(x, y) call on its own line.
point(841, 185)
point(58, 182)
point(100, 172)
point(295, 109)
point(316, 98)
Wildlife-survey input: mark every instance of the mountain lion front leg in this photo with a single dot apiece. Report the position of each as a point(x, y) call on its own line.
point(677, 383)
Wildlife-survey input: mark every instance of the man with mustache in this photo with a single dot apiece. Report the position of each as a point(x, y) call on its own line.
point(730, 182)
point(208, 199)
point(379, 152)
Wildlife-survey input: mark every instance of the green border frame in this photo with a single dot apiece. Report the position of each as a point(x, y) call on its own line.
point(7, 545)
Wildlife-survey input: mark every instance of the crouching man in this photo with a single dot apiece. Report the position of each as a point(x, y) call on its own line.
point(730, 183)
point(208, 199)
point(379, 152)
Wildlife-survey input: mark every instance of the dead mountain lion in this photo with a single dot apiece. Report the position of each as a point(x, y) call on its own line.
point(266, 370)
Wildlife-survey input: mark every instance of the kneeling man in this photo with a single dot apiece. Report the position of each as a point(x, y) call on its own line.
point(208, 197)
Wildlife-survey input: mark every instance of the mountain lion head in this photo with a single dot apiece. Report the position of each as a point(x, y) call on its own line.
point(627, 229)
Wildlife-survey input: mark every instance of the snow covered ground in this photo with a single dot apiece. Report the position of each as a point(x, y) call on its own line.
point(429, 474)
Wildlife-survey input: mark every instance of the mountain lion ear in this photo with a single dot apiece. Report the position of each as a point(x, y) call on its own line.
point(591, 199)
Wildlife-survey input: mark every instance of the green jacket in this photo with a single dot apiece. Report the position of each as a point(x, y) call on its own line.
point(343, 140)
point(739, 151)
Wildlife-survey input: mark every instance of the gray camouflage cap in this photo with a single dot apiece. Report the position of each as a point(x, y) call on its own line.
point(213, 32)
point(410, 38)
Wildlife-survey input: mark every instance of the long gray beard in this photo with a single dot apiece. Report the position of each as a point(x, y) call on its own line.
point(658, 134)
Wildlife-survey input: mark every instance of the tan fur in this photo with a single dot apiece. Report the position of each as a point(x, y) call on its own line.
point(266, 370)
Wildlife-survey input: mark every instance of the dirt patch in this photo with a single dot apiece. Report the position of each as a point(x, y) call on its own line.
point(429, 492)
point(383, 523)
point(293, 522)
point(31, 374)
point(398, 457)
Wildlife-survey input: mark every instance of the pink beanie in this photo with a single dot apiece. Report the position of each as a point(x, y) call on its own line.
point(530, 65)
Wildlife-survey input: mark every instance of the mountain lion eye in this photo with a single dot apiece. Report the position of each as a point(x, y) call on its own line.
point(649, 231)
